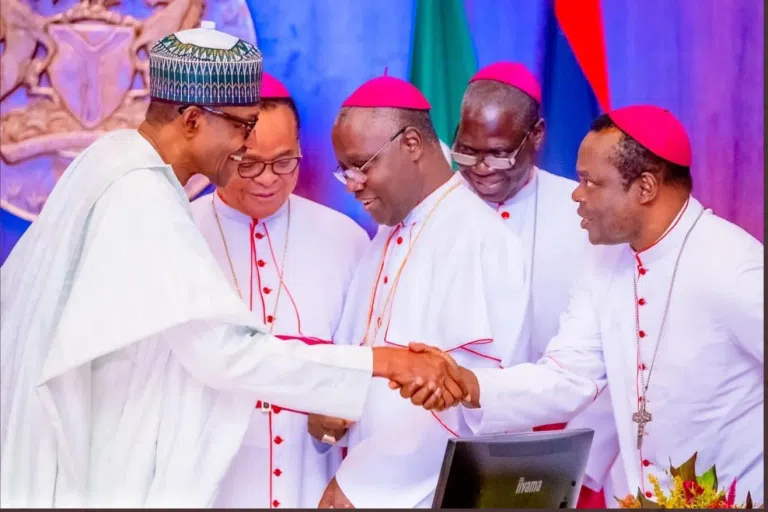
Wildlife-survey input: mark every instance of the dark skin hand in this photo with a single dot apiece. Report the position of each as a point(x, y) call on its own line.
point(434, 370)
point(423, 396)
point(334, 497)
point(319, 426)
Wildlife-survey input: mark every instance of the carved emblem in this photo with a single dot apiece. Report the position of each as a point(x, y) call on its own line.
point(72, 70)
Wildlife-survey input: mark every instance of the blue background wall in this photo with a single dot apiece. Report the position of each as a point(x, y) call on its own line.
point(702, 59)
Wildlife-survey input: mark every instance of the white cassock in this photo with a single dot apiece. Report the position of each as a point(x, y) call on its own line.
point(463, 288)
point(315, 250)
point(706, 390)
point(543, 215)
point(129, 365)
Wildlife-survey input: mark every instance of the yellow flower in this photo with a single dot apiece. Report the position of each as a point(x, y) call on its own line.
point(629, 502)
point(658, 493)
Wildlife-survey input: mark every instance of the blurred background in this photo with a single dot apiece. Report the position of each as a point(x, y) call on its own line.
point(72, 69)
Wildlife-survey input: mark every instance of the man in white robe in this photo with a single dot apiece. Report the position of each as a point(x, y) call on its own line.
point(441, 267)
point(668, 312)
point(498, 139)
point(291, 260)
point(128, 365)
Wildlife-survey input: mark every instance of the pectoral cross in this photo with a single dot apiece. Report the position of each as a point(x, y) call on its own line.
point(641, 417)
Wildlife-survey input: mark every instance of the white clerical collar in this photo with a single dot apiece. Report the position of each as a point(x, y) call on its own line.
point(674, 235)
point(523, 194)
point(233, 214)
point(422, 209)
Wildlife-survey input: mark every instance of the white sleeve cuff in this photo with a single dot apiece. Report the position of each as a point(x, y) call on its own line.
point(481, 420)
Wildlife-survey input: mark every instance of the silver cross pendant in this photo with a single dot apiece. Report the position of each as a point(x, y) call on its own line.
point(641, 417)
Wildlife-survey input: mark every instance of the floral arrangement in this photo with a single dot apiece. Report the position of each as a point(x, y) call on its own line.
point(688, 491)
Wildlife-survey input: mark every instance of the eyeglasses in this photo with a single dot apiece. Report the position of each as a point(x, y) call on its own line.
point(247, 124)
point(495, 163)
point(356, 173)
point(251, 169)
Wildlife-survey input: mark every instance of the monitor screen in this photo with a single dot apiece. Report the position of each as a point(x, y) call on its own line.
point(530, 470)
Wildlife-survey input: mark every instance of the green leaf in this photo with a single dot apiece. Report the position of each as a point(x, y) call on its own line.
point(687, 470)
point(708, 479)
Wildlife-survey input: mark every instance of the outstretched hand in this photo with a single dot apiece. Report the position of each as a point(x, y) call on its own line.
point(431, 370)
point(422, 395)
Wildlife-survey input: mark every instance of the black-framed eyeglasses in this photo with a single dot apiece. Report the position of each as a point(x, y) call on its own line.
point(251, 169)
point(494, 163)
point(247, 124)
point(357, 173)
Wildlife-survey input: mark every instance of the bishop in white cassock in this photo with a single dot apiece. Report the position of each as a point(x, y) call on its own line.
point(669, 314)
point(498, 138)
point(442, 267)
point(129, 366)
point(291, 260)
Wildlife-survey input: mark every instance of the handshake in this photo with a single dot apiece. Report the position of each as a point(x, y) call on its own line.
point(426, 375)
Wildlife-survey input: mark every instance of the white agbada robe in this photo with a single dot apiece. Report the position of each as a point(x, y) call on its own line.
point(706, 391)
point(279, 464)
point(129, 365)
point(543, 215)
point(463, 289)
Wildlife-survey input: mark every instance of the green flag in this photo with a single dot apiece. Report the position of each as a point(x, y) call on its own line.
point(442, 61)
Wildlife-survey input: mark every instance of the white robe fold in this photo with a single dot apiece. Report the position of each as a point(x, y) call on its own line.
point(128, 366)
point(706, 392)
point(279, 465)
point(463, 289)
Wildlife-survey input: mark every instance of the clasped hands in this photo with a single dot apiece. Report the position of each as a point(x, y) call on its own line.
point(452, 385)
point(426, 375)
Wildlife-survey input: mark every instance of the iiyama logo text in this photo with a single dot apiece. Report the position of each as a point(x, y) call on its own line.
point(524, 487)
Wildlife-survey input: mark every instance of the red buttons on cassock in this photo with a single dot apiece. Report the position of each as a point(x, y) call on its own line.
point(276, 409)
point(641, 301)
point(505, 215)
point(399, 240)
point(641, 334)
point(275, 503)
point(646, 463)
point(259, 236)
point(270, 319)
point(278, 472)
point(642, 366)
point(278, 440)
point(642, 271)
point(267, 290)
point(261, 263)
point(386, 279)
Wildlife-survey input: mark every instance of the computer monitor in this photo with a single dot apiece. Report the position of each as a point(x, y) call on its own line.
point(530, 470)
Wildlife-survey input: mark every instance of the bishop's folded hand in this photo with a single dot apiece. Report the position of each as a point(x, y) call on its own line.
point(422, 395)
point(430, 370)
point(334, 497)
point(326, 428)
